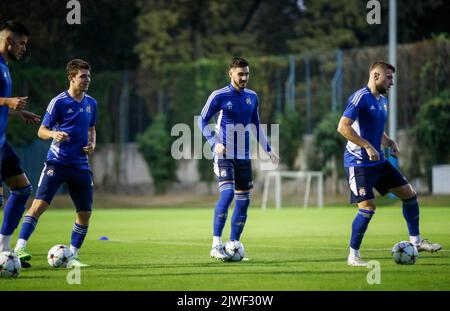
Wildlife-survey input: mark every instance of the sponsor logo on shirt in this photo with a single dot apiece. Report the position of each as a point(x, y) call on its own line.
point(372, 108)
point(70, 110)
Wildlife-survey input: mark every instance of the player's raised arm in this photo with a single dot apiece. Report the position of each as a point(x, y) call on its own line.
point(27, 116)
point(14, 103)
point(345, 129)
point(45, 134)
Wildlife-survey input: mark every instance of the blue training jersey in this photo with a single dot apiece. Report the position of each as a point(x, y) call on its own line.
point(5, 91)
point(75, 118)
point(236, 113)
point(369, 114)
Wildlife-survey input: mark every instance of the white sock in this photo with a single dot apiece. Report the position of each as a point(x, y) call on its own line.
point(74, 250)
point(5, 242)
point(217, 240)
point(415, 239)
point(354, 252)
point(21, 243)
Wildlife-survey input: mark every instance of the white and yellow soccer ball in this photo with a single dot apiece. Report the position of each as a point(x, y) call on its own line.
point(234, 250)
point(405, 253)
point(9, 265)
point(59, 256)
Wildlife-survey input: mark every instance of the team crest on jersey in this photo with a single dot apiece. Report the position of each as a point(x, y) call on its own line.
point(223, 173)
point(88, 108)
point(50, 172)
point(248, 101)
point(229, 105)
point(362, 191)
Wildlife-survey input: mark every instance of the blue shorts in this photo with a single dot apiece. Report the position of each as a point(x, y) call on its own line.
point(382, 177)
point(9, 163)
point(237, 170)
point(79, 183)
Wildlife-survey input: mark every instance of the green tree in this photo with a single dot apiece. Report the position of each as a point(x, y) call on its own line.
point(431, 132)
point(155, 145)
point(328, 148)
point(291, 133)
point(105, 37)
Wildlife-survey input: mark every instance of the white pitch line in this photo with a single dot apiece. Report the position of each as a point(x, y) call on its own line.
point(255, 245)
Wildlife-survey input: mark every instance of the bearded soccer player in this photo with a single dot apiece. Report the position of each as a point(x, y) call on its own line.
point(70, 122)
point(13, 44)
point(236, 110)
point(362, 124)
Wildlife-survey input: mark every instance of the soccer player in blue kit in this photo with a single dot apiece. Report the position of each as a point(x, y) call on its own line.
point(70, 122)
point(362, 124)
point(13, 42)
point(236, 110)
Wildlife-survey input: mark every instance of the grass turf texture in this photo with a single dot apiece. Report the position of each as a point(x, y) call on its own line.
point(289, 249)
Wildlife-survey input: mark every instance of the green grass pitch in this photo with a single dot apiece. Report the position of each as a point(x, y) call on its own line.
point(288, 249)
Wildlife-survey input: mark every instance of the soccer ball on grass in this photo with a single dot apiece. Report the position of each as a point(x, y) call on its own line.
point(235, 250)
point(405, 253)
point(59, 256)
point(9, 265)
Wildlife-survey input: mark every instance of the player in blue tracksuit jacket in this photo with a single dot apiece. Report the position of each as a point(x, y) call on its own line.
point(235, 109)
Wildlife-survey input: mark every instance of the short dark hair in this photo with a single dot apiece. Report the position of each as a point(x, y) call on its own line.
point(15, 27)
point(238, 62)
point(76, 64)
point(381, 64)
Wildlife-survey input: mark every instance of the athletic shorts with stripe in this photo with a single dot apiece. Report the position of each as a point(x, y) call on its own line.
point(382, 177)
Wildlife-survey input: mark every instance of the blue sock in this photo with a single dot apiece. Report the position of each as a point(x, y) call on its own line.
point(14, 209)
point(411, 214)
point(242, 201)
point(359, 227)
point(78, 234)
point(221, 210)
point(28, 225)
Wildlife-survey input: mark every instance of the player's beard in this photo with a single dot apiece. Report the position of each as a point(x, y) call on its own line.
point(13, 56)
point(242, 84)
point(381, 89)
